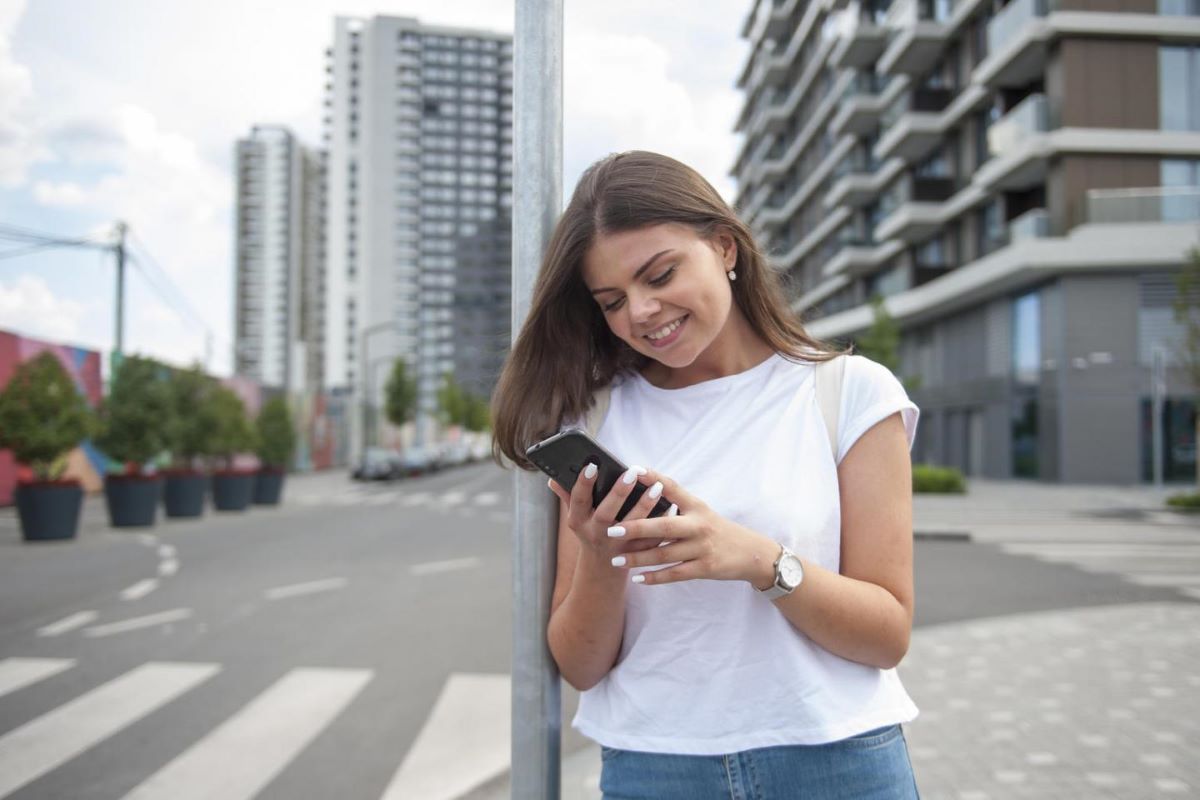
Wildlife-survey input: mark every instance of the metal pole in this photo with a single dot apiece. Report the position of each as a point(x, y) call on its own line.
point(1158, 391)
point(119, 346)
point(537, 200)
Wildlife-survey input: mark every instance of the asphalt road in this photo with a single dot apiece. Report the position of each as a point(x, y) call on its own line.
point(328, 628)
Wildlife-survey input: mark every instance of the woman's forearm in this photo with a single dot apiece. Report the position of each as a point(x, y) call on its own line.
point(854, 619)
point(585, 630)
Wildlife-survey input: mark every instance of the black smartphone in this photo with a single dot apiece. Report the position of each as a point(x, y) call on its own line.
point(564, 455)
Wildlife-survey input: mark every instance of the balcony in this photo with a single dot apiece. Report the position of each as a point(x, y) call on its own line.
point(919, 36)
point(1141, 206)
point(860, 259)
point(911, 222)
point(861, 47)
point(915, 127)
point(1033, 224)
point(862, 106)
point(859, 189)
point(1020, 151)
point(1017, 40)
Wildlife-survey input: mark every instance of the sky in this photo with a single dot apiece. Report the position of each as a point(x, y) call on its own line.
point(130, 111)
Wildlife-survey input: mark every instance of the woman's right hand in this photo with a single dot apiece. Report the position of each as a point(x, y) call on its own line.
point(591, 526)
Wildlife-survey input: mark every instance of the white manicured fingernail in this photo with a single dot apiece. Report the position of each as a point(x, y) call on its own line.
point(630, 475)
point(655, 490)
point(673, 510)
point(619, 561)
point(615, 531)
point(639, 579)
point(590, 472)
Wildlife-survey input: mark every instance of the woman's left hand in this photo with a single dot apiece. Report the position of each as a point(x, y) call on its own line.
point(705, 544)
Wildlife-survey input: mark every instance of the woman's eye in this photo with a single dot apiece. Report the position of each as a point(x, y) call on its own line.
point(661, 279)
point(613, 305)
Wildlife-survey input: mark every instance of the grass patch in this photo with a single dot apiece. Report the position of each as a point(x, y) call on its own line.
point(938, 480)
point(1185, 502)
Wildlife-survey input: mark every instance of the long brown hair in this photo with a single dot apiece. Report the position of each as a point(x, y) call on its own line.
point(565, 350)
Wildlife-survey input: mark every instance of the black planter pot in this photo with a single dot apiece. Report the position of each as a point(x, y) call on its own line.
point(183, 495)
point(268, 487)
point(132, 500)
point(231, 491)
point(49, 511)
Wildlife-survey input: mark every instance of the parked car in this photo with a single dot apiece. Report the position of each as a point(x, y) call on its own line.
point(415, 460)
point(455, 454)
point(376, 464)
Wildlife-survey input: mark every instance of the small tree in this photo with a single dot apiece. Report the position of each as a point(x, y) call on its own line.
point(135, 420)
point(1187, 314)
point(452, 401)
point(276, 436)
point(192, 419)
point(231, 433)
point(478, 415)
point(401, 394)
point(881, 341)
point(43, 417)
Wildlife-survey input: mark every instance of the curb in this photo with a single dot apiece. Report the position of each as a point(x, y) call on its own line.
point(942, 536)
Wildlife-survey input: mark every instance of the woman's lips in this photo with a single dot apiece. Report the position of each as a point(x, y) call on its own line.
point(671, 337)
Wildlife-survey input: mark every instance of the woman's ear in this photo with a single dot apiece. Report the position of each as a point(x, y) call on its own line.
point(726, 247)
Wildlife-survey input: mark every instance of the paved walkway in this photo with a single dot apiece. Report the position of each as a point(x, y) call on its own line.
point(1100, 702)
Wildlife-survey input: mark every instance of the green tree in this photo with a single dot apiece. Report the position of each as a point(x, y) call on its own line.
point(42, 416)
point(231, 433)
point(452, 401)
point(135, 420)
point(400, 394)
point(478, 415)
point(1187, 314)
point(192, 419)
point(276, 436)
point(881, 341)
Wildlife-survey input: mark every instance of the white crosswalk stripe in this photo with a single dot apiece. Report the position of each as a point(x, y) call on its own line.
point(45, 743)
point(245, 753)
point(463, 744)
point(1160, 564)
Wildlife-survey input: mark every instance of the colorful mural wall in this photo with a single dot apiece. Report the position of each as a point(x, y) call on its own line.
point(86, 464)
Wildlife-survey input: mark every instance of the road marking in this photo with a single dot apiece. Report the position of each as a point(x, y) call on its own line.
point(452, 498)
point(381, 499)
point(148, 539)
point(52, 739)
point(67, 624)
point(245, 753)
point(17, 673)
point(311, 587)
point(140, 589)
point(137, 623)
point(435, 567)
point(166, 551)
point(487, 498)
point(417, 498)
point(168, 567)
point(463, 744)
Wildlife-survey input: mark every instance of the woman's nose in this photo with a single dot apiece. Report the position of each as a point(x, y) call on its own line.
point(643, 309)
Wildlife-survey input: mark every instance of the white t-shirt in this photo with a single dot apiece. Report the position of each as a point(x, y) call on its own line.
point(711, 667)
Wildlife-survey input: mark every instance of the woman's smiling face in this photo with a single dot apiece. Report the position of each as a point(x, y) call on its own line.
point(663, 289)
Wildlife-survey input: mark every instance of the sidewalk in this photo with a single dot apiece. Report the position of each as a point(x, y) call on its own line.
point(1096, 702)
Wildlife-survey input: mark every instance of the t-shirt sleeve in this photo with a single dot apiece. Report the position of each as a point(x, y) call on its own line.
point(871, 394)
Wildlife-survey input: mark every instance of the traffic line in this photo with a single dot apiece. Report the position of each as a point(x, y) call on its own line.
point(67, 624)
point(311, 587)
point(137, 623)
point(471, 717)
point(437, 567)
point(245, 753)
point(17, 673)
point(45, 743)
point(140, 589)
point(415, 499)
point(487, 498)
point(168, 567)
point(452, 498)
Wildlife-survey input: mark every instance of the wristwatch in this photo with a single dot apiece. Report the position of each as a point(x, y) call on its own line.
point(789, 572)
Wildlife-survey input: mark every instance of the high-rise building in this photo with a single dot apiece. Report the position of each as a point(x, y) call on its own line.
point(278, 259)
point(419, 132)
point(1018, 182)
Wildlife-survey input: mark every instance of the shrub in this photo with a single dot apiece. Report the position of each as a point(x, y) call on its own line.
point(192, 415)
point(136, 416)
point(938, 480)
point(1185, 502)
point(42, 417)
point(276, 436)
point(231, 432)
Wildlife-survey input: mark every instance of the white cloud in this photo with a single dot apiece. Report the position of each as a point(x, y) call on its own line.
point(17, 145)
point(28, 306)
point(63, 194)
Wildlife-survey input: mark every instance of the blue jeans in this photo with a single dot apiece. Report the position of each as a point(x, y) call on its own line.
point(871, 766)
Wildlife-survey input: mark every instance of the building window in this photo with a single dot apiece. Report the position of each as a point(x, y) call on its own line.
point(1178, 99)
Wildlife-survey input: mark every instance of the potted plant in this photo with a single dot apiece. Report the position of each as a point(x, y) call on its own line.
point(134, 422)
point(192, 423)
point(276, 443)
point(231, 434)
point(42, 419)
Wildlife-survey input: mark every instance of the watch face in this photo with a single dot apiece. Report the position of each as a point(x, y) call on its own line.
point(791, 572)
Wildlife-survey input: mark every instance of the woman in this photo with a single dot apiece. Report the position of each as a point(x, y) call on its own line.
point(742, 645)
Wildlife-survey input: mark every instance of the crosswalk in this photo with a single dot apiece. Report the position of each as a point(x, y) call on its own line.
point(1174, 565)
point(367, 495)
point(464, 743)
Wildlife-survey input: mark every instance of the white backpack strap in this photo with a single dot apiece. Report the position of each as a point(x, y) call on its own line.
point(598, 411)
point(828, 376)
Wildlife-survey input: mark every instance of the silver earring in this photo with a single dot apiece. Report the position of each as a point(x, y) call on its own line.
point(733, 275)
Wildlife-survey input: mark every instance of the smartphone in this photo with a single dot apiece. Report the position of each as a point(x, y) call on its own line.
point(564, 455)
